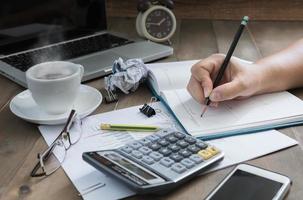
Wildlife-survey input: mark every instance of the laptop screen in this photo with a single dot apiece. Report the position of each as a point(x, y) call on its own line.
point(34, 23)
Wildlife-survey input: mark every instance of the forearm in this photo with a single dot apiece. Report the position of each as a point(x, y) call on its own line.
point(283, 70)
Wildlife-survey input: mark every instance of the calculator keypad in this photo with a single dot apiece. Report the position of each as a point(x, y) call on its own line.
point(193, 148)
point(163, 142)
point(201, 145)
point(152, 138)
point(185, 153)
point(127, 149)
point(174, 147)
point(148, 160)
point(156, 156)
point(145, 150)
point(176, 157)
point(167, 162)
point(170, 153)
point(179, 168)
point(165, 151)
point(179, 135)
point(137, 154)
point(196, 158)
point(205, 154)
point(188, 163)
point(135, 145)
point(155, 146)
point(172, 139)
point(182, 143)
point(145, 141)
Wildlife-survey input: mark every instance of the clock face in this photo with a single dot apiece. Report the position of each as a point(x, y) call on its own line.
point(159, 23)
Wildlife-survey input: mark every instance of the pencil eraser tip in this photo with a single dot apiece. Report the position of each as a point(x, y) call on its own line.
point(245, 20)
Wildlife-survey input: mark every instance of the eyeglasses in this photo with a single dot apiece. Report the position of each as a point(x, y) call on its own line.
point(51, 159)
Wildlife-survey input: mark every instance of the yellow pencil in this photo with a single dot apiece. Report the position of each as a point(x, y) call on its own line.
point(128, 127)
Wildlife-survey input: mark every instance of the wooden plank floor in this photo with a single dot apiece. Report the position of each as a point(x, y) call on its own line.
point(194, 39)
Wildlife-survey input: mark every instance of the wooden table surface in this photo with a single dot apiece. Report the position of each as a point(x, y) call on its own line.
point(20, 141)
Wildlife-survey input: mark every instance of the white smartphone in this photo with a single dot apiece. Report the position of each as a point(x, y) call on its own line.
point(247, 182)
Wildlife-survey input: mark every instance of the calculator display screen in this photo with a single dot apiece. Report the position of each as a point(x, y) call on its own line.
point(130, 166)
point(244, 185)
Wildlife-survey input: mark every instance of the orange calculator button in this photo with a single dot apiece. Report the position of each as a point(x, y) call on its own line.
point(213, 150)
point(205, 154)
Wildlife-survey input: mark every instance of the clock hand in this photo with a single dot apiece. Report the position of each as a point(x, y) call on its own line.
point(163, 20)
point(150, 23)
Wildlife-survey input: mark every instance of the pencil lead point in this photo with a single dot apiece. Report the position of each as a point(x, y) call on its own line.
point(204, 110)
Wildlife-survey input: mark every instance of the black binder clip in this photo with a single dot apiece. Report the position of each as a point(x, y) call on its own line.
point(147, 110)
point(109, 95)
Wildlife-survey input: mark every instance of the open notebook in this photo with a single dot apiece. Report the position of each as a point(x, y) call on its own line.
point(168, 81)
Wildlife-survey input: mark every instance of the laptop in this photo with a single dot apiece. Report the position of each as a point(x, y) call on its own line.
point(36, 31)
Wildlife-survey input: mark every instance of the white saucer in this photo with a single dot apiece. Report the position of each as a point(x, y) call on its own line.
point(24, 106)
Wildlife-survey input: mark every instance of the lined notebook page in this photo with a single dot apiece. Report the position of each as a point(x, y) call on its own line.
point(236, 114)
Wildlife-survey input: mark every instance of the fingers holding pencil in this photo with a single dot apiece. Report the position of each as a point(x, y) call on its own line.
point(204, 72)
point(200, 85)
point(240, 81)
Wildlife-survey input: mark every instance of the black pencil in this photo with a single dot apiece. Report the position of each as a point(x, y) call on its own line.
point(227, 59)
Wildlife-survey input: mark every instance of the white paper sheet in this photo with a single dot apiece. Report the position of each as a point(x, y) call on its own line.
point(85, 177)
point(242, 148)
point(168, 76)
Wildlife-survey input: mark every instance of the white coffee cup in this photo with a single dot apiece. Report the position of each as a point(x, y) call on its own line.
point(55, 85)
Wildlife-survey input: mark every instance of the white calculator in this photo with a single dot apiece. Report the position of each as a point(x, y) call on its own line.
point(158, 162)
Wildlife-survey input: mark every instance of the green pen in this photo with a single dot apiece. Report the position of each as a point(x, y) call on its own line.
point(127, 127)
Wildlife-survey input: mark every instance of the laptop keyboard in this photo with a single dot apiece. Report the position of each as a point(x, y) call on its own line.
point(65, 51)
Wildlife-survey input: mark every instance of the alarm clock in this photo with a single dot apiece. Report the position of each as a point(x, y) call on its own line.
point(155, 20)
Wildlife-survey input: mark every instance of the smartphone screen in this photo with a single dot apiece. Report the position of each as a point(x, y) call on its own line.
point(244, 185)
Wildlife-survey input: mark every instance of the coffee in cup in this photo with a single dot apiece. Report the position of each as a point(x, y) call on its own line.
point(55, 85)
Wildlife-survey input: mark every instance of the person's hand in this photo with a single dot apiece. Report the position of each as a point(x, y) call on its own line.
point(240, 80)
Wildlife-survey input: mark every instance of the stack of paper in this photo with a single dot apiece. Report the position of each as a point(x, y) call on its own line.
point(93, 184)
